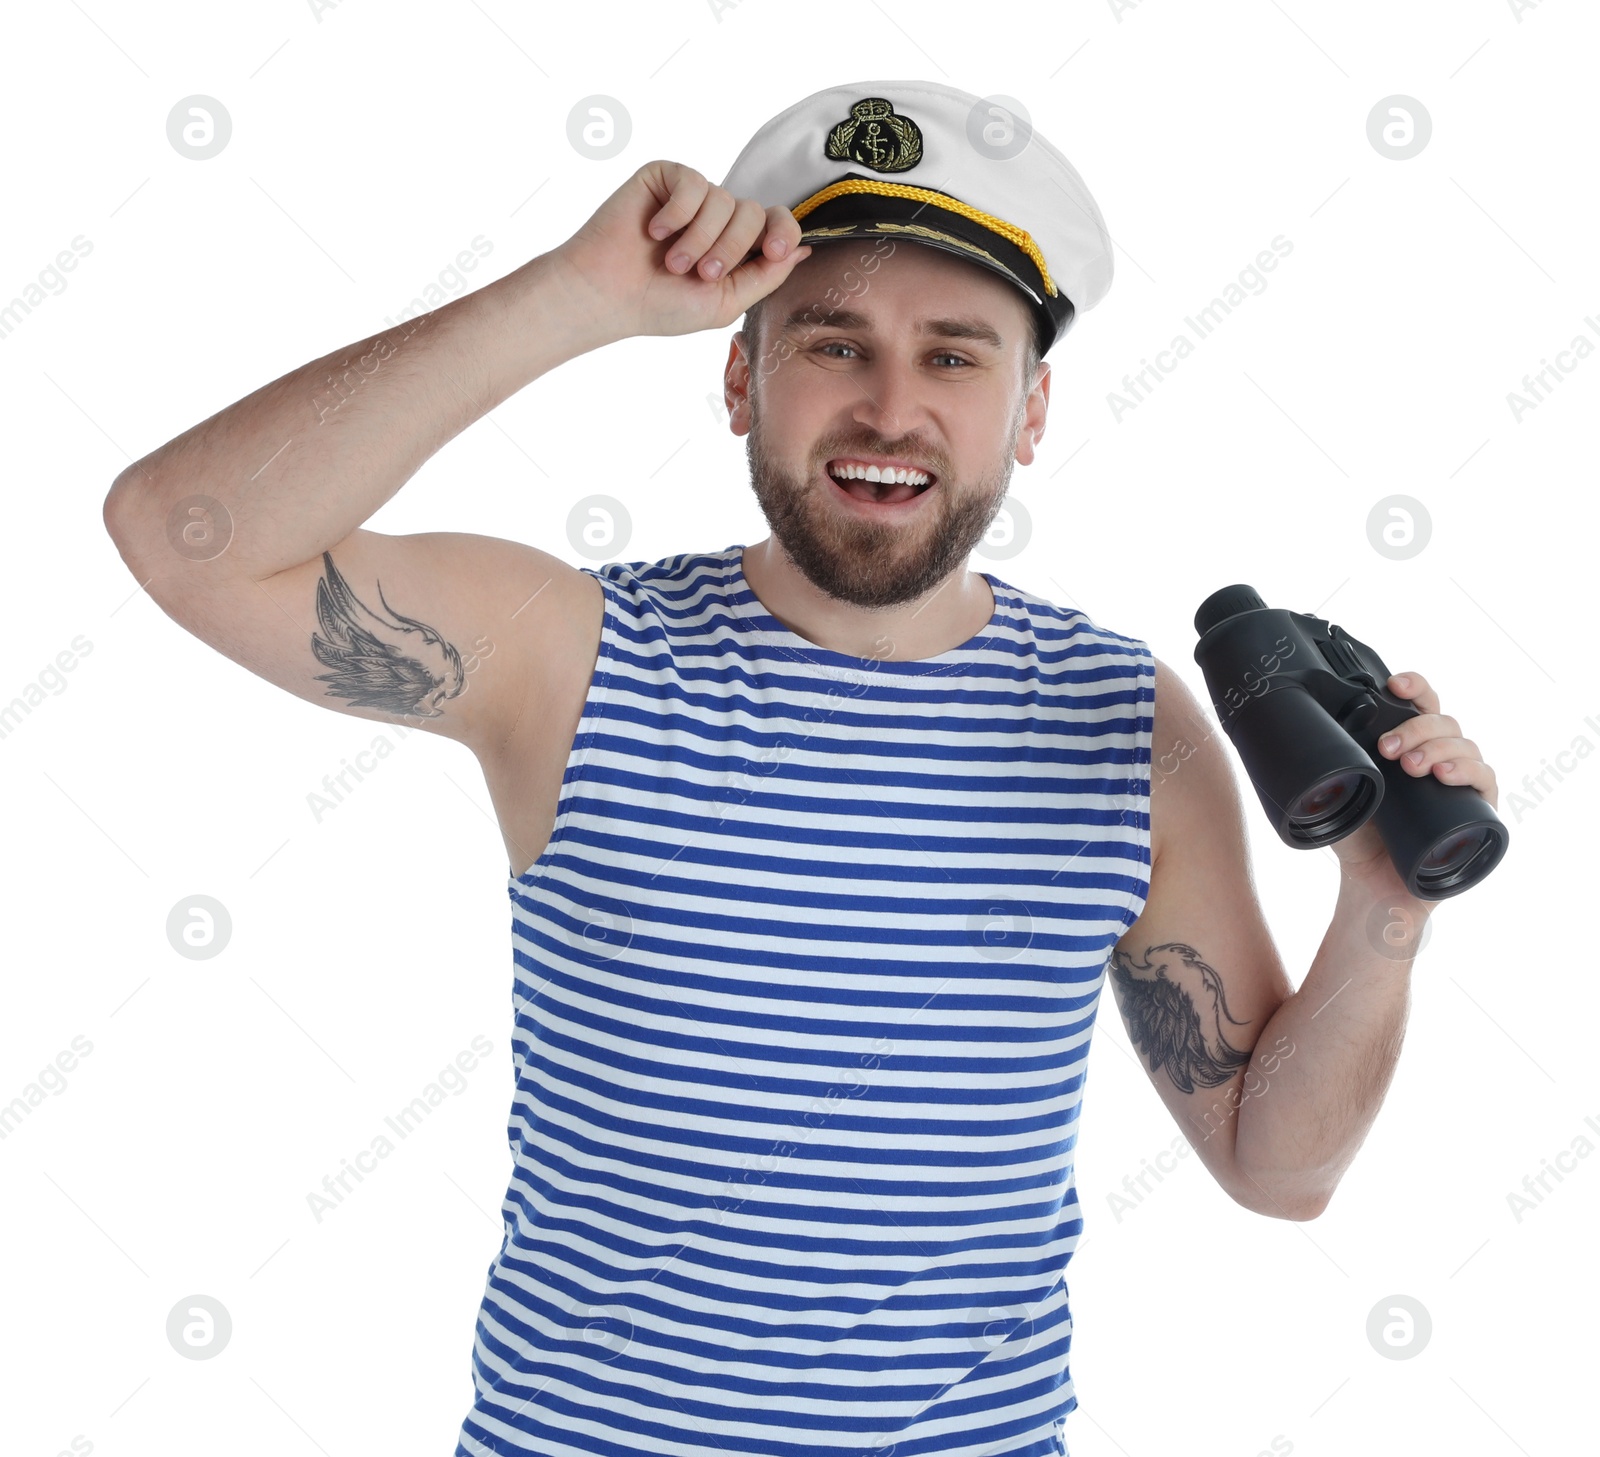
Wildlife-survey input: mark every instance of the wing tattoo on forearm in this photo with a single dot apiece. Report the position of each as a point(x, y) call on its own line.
point(1174, 1007)
point(394, 663)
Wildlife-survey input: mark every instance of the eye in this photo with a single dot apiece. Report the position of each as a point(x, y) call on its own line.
point(839, 344)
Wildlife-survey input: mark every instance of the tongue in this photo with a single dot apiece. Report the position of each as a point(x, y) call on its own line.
point(878, 491)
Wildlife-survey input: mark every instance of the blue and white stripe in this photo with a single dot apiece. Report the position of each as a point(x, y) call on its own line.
point(804, 986)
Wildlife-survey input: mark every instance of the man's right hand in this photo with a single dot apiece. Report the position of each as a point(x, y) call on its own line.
point(626, 258)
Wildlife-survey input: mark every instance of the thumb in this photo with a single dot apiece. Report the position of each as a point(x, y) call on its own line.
point(759, 276)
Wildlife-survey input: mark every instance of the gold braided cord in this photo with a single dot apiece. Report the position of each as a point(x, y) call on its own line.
point(1008, 231)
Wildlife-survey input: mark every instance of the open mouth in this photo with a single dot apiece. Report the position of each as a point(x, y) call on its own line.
point(875, 486)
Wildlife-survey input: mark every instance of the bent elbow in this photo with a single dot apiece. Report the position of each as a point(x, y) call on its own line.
point(1300, 1207)
point(1307, 1210)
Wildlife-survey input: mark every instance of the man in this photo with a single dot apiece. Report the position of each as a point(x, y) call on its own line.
point(820, 849)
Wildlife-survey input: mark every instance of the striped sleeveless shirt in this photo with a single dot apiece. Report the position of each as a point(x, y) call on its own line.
point(804, 985)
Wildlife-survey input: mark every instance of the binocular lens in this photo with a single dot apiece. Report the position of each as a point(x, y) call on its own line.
point(1324, 809)
point(1449, 860)
point(1307, 731)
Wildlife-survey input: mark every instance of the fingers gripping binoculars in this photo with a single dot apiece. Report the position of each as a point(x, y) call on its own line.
point(1305, 705)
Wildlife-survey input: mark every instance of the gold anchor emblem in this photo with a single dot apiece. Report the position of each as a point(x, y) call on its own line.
point(876, 137)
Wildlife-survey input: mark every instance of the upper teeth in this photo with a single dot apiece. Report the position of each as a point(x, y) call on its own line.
point(850, 471)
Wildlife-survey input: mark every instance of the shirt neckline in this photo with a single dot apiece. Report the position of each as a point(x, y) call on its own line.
point(757, 621)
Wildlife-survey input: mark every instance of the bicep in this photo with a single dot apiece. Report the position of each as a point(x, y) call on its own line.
point(441, 631)
point(1197, 976)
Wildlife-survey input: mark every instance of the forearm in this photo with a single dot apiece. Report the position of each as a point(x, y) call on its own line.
point(1299, 1129)
point(304, 460)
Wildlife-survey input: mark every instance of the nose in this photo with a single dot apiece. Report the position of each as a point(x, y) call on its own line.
point(891, 400)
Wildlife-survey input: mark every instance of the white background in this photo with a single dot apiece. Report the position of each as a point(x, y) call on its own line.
point(370, 145)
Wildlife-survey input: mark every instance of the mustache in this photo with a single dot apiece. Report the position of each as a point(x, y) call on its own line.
point(908, 450)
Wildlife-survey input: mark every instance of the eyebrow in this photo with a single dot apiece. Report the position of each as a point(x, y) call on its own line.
point(974, 329)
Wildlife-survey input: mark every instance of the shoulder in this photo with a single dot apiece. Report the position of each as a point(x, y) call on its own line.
point(1190, 777)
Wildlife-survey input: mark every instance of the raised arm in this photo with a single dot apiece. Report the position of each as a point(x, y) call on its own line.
point(246, 529)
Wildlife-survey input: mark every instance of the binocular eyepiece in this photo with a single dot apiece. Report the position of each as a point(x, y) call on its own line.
point(1305, 705)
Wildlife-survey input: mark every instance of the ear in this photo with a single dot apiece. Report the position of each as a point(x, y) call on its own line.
point(1033, 416)
point(736, 383)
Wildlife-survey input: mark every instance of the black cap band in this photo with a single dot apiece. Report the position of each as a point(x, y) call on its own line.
point(921, 219)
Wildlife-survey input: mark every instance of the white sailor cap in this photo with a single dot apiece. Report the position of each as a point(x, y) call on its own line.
point(929, 164)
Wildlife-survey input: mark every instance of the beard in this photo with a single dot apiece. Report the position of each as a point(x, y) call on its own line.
point(874, 563)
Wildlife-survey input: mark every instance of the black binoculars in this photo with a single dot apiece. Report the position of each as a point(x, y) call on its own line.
point(1305, 705)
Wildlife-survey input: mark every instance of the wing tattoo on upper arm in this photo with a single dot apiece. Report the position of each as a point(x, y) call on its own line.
point(394, 663)
point(1174, 1007)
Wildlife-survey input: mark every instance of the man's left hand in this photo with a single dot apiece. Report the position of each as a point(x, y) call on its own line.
point(1430, 743)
